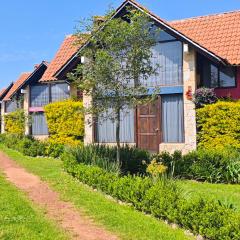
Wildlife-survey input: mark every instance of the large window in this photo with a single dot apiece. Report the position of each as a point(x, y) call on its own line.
point(42, 94)
point(106, 128)
point(216, 76)
point(167, 59)
point(172, 118)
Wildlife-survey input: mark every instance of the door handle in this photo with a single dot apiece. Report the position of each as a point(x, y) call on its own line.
point(157, 129)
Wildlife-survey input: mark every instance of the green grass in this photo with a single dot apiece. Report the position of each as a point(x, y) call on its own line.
point(124, 221)
point(19, 219)
point(226, 193)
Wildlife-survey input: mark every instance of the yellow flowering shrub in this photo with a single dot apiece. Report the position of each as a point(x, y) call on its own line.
point(65, 122)
point(156, 169)
point(219, 125)
point(15, 122)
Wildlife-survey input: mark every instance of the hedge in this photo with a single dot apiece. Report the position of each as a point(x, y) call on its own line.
point(14, 122)
point(162, 199)
point(29, 146)
point(219, 125)
point(65, 121)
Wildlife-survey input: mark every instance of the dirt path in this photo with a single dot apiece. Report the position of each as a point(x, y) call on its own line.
point(64, 213)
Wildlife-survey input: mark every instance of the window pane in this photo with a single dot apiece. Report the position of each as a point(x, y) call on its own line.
point(161, 35)
point(214, 76)
point(227, 77)
point(39, 124)
point(60, 91)
point(39, 95)
point(11, 106)
point(167, 59)
point(106, 128)
point(172, 118)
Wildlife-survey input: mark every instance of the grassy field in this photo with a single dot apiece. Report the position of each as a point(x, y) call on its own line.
point(226, 193)
point(19, 219)
point(123, 220)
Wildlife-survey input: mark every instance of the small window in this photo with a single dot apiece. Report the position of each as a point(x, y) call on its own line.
point(214, 76)
point(227, 77)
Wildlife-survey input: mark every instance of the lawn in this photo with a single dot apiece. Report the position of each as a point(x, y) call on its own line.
point(226, 193)
point(19, 219)
point(120, 219)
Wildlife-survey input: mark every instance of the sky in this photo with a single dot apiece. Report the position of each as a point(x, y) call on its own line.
point(32, 31)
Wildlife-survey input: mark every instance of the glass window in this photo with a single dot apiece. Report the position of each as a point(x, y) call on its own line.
point(160, 35)
point(106, 128)
point(167, 59)
point(214, 76)
point(11, 106)
point(59, 91)
point(172, 118)
point(39, 95)
point(39, 124)
point(227, 77)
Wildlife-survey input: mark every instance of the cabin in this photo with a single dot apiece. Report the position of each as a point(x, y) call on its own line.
point(192, 53)
point(17, 95)
point(51, 89)
point(3, 93)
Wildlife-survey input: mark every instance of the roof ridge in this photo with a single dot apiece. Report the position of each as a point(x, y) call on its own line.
point(204, 16)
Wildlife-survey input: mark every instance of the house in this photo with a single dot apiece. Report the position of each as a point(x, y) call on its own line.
point(50, 88)
point(17, 95)
point(3, 93)
point(195, 52)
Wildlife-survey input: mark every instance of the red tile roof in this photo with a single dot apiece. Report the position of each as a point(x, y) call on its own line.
point(23, 77)
point(67, 50)
point(219, 33)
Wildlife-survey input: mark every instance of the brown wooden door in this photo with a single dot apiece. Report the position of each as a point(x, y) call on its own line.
point(149, 126)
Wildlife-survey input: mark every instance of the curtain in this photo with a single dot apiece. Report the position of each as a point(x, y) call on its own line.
point(39, 124)
point(172, 118)
point(106, 128)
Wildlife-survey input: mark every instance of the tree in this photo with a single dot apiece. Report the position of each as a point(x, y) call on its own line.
point(119, 57)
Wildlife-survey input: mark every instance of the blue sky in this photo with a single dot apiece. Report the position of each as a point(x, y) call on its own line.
point(31, 31)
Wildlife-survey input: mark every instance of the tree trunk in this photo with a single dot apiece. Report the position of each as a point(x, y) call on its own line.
point(118, 134)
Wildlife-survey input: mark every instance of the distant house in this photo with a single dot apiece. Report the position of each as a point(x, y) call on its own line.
point(51, 88)
point(17, 94)
point(3, 93)
point(195, 52)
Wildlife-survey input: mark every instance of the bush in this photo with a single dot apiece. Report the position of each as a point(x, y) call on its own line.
point(65, 122)
point(15, 122)
point(204, 165)
point(218, 125)
point(89, 156)
point(31, 147)
point(204, 96)
point(132, 158)
point(163, 199)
